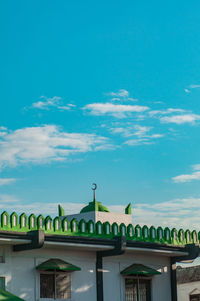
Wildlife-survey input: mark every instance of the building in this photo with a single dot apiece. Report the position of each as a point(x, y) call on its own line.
point(188, 282)
point(94, 255)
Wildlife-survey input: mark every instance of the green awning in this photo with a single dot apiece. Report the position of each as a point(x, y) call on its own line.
point(55, 264)
point(6, 296)
point(139, 269)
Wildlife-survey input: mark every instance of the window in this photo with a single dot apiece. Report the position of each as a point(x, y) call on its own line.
point(137, 289)
point(195, 297)
point(2, 282)
point(55, 285)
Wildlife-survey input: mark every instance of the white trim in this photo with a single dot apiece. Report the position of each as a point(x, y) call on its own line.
point(161, 252)
point(86, 246)
point(14, 240)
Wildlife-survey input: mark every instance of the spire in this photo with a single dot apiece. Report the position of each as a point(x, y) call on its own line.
point(94, 188)
point(94, 197)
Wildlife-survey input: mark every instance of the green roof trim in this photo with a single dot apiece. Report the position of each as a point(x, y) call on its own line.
point(55, 264)
point(62, 226)
point(94, 206)
point(6, 296)
point(139, 269)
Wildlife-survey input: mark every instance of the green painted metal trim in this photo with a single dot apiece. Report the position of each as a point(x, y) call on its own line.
point(139, 269)
point(5, 295)
point(58, 265)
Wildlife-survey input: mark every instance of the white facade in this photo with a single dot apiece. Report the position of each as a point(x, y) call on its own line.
point(185, 290)
point(103, 217)
point(22, 278)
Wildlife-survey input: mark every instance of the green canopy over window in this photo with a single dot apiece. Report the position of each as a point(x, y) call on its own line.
point(55, 264)
point(139, 269)
point(6, 296)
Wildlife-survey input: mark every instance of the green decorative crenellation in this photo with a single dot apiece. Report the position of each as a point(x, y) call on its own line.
point(14, 220)
point(65, 225)
point(122, 229)
point(74, 225)
point(145, 232)
point(174, 236)
point(57, 224)
point(138, 232)
point(160, 234)
point(32, 222)
point(106, 228)
point(40, 222)
point(181, 236)
point(128, 209)
point(82, 226)
point(91, 228)
point(61, 211)
point(130, 231)
point(188, 236)
point(23, 222)
point(99, 228)
point(48, 223)
point(167, 235)
point(115, 229)
point(152, 233)
point(194, 236)
point(5, 220)
point(62, 226)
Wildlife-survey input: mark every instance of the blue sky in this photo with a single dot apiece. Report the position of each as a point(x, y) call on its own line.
point(106, 93)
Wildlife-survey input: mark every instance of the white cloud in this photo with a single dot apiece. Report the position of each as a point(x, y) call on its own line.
point(180, 119)
point(196, 167)
point(127, 131)
point(179, 213)
point(45, 144)
point(49, 102)
point(119, 93)
point(141, 134)
point(195, 175)
point(194, 86)
point(6, 181)
point(187, 90)
point(140, 141)
point(165, 112)
point(119, 111)
point(135, 130)
point(187, 177)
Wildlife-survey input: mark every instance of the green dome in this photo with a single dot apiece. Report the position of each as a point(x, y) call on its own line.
point(94, 206)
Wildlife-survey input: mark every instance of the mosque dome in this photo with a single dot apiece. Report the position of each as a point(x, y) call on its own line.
point(94, 206)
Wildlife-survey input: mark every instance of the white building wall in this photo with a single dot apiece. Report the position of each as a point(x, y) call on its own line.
point(114, 283)
point(185, 289)
point(103, 217)
point(22, 278)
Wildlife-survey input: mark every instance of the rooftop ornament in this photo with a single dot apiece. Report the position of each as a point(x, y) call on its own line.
point(94, 205)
